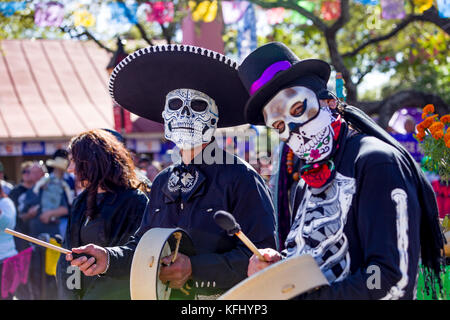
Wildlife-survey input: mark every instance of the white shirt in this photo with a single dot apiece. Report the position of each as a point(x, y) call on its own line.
point(7, 220)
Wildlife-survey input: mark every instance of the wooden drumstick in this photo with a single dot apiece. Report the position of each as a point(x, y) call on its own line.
point(177, 235)
point(45, 244)
point(37, 241)
point(227, 222)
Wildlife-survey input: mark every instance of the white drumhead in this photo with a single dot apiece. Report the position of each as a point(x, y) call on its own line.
point(144, 277)
point(281, 281)
point(161, 293)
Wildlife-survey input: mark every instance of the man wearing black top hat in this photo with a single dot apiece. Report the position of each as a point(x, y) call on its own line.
point(193, 91)
point(362, 209)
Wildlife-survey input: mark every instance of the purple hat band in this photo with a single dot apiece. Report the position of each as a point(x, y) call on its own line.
point(268, 74)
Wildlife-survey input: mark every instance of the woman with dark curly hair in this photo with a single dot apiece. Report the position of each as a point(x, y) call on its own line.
point(106, 213)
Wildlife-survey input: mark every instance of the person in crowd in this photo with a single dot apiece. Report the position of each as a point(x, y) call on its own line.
point(205, 179)
point(362, 203)
point(7, 220)
point(107, 213)
point(31, 172)
point(410, 125)
point(153, 169)
point(6, 186)
point(407, 139)
point(48, 200)
point(144, 162)
point(41, 208)
point(69, 178)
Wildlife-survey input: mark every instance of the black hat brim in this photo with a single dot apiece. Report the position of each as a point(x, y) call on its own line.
point(254, 107)
point(141, 81)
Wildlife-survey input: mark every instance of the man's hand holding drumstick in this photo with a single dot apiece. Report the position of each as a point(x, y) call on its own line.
point(255, 264)
point(261, 258)
point(176, 269)
point(178, 272)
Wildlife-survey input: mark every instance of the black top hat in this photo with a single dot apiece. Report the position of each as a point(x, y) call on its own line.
point(273, 67)
point(141, 81)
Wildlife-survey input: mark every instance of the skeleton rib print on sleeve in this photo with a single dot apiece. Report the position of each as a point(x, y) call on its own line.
point(318, 228)
point(400, 199)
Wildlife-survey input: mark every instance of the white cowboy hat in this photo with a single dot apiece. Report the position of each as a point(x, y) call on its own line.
point(58, 162)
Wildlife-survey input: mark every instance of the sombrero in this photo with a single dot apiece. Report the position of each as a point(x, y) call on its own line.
point(273, 67)
point(141, 81)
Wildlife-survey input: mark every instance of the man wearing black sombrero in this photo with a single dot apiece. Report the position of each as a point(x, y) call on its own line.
point(362, 209)
point(192, 91)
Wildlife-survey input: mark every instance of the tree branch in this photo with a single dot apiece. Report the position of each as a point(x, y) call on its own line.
point(393, 32)
point(166, 33)
point(138, 25)
point(343, 18)
point(292, 4)
point(143, 33)
point(67, 29)
point(101, 45)
point(411, 3)
point(363, 74)
point(431, 15)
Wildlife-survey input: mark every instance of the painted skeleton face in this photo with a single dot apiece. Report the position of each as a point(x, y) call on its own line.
point(190, 118)
point(301, 122)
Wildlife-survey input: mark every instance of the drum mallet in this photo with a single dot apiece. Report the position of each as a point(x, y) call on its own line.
point(227, 222)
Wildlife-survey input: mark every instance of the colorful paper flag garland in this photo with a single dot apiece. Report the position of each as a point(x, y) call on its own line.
point(49, 14)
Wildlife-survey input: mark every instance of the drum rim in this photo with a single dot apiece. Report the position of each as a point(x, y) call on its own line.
point(189, 245)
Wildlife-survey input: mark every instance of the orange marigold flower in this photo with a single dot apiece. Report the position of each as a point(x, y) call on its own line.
point(427, 122)
point(436, 126)
point(447, 138)
point(420, 135)
point(420, 127)
point(437, 134)
point(445, 118)
point(429, 108)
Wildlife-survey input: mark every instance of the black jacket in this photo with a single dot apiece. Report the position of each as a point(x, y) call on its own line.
point(221, 261)
point(373, 204)
point(119, 216)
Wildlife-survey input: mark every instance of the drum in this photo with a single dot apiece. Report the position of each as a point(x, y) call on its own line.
point(281, 281)
point(154, 245)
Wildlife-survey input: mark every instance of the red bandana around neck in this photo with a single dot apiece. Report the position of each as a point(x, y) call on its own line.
point(318, 174)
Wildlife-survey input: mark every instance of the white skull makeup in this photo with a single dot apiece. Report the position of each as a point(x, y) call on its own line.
point(302, 123)
point(190, 118)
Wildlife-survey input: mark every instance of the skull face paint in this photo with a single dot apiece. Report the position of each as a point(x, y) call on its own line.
point(302, 123)
point(190, 118)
